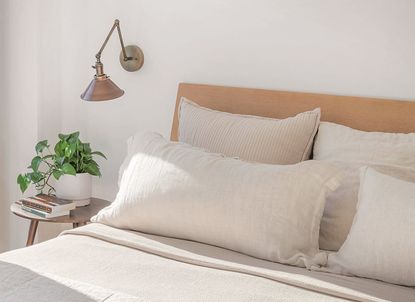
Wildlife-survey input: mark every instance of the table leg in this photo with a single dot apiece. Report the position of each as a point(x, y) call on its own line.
point(32, 232)
point(78, 224)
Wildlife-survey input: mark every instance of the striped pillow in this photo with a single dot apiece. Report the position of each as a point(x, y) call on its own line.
point(252, 138)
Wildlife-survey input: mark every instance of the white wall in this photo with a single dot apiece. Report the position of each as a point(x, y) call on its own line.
point(344, 47)
point(4, 217)
point(19, 109)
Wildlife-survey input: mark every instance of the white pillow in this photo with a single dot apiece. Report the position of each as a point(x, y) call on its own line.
point(252, 138)
point(131, 151)
point(351, 149)
point(267, 211)
point(381, 242)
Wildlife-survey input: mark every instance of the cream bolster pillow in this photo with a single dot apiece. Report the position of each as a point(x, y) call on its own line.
point(267, 211)
point(381, 242)
point(252, 138)
point(351, 149)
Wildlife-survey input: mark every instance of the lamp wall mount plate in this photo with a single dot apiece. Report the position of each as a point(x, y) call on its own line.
point(135, 58)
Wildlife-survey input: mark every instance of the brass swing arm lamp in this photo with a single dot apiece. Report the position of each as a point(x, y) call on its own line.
point(101, 87)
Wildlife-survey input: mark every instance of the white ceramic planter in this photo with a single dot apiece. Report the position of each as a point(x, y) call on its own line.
point(77, 188)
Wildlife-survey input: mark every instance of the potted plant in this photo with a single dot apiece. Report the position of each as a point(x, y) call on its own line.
point(72, 165)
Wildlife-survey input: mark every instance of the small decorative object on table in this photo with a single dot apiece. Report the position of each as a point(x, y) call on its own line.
point(72, 164)
point(78, 216)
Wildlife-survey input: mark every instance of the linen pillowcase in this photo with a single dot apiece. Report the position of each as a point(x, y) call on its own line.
point(267, 211)
point(351, 149)
point(252, 138)
point(381, 242)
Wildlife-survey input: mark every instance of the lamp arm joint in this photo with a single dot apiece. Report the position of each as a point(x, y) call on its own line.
point(115, 25)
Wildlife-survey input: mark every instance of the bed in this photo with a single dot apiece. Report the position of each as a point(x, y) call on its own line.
point(102, 263)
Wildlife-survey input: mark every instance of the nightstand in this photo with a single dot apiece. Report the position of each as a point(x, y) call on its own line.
point(78, 217)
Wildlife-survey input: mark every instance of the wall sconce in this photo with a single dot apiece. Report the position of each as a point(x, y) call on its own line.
point(101, 87)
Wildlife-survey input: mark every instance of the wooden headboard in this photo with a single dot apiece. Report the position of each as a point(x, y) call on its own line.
point(361, 113)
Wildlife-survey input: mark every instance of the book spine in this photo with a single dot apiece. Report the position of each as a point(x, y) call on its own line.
point(36, 206)
point(48, 200)
point(33, 211)
point(57, 206)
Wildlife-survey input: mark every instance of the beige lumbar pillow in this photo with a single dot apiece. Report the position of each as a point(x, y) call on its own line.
point(350, 149)
point(381, 242)
point(267, 211)
point(252, 138)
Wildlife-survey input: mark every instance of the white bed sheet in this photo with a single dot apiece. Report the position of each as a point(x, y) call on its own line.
point(131, 266)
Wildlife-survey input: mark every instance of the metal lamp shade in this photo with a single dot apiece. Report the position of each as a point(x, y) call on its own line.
point(101, 88)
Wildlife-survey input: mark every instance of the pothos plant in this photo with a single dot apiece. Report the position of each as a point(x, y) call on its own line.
point(70, 156)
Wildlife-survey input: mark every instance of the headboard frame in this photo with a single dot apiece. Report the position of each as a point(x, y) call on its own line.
point(368, 114)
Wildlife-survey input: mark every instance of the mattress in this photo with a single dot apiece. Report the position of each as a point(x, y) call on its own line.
point(101, 263)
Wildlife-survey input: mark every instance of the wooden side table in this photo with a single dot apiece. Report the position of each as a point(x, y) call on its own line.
point(78, 217)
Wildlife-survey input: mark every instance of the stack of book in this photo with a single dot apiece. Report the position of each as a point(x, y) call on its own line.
point(47, 206)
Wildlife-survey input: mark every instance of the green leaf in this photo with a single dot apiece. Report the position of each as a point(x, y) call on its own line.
point(59, 161)
point(93, 169)
point(86, 157)
point(63, 137)
point(99, 153)
point(57, 174)
point(91, 161)
point(87, 148)
point(73, 137)
point(23, 182)
point(36, 177)
point(70, 150)
point(67, 168)
point(40, 146)
point(60, 148)
point(35, 163)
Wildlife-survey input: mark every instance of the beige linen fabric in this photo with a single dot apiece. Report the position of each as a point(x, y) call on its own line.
point(252, 138)
point(267, 211)
point(20, 284)
point(160, 269)
point(350, 149)
point(381, 242)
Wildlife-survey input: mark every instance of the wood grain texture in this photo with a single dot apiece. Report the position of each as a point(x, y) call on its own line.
point(367, 114)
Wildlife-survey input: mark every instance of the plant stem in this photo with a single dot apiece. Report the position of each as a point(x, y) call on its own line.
point(47, 181)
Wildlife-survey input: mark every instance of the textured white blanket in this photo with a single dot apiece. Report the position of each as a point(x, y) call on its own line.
point(21, 284)
point(117, 265)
